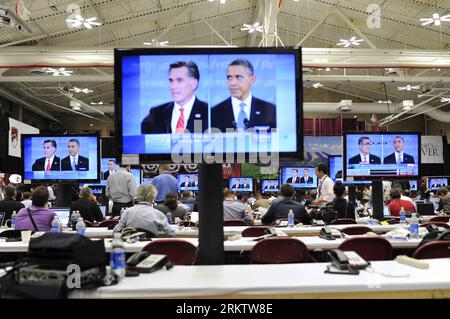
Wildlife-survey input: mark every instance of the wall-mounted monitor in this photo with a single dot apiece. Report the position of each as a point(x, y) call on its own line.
point(382, 155)
point(335, 167)
point(173, 104)
point(187, 182)
point(299, 176)
point(435, 183)
point(61, 158)
point(270, 185)
point(413, 185)
point(137, 173)
point(241, 184)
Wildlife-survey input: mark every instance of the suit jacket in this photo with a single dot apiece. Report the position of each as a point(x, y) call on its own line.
point(160, 117)
point(82, 165)
point(236, 186)
point(262, 113)
point(39, 164)
point(184, 184)
point(289, 180)
point(373, 159)
point(308, 181)
point(245, 185)
point(88, 210)
point(281, 210)
point(407, 159)
point(106, 175)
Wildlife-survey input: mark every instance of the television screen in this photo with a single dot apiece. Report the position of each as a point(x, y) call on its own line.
point(348, 183)
point(270, 185)
point(435, 183)
point(108, 166)
point(187, 182)
point(335, 167)
point(136, 172)
point(175, 103)
point(382, 155)
point(413, 185)
point(299, 177)
point(241, 184)
point(147, 180)
point(61, 158)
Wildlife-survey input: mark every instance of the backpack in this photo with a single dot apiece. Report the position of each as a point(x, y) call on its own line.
point(433, 235)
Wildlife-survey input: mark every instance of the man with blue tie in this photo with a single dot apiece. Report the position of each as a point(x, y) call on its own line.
point(399, 157)
point(242, 110)
point(74, 162)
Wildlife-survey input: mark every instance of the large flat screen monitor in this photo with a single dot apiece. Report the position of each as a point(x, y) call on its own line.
point(270, 185)
point(241, 184)
point(335, 167)
point(382, 155)
point(299, 176)
point(187, 182)
point(435, 183)
point(61, 158)
point(174, 103)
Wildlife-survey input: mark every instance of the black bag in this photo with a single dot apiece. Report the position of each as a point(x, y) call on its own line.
point(433, 235)
point(327, 214)
point(58, 250)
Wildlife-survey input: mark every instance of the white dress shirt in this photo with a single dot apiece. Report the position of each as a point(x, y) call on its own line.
point(237, 107)
point(325, 190)
point(365, 158)
point(397, 155)
point(186, 112)
point(71, 160)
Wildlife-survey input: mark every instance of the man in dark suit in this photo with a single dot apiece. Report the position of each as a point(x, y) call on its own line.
point(50, 162)
point(111, 169)
point(398, 157)
point(186, 182)
point(364, 156)
point(305, 179)
point(242, 110)
point(245, 183)
point(186, 112)
point(237, 184)
point(294, 178)
point(195, 182)
point(74, 162)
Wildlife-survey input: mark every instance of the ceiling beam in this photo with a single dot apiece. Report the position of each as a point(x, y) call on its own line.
point(216, 32)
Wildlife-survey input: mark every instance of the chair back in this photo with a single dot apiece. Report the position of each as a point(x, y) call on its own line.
point(343, 221)
point(110, 223)
point(355, 230)
point(88, 223)
point(433, 249)
point(279, 250)
point(369, 248)
point(439, 224)
point(255, 231)
point(444, 219)
point(180, 252)
point(234, 222)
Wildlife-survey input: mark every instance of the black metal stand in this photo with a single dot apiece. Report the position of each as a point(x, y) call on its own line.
point(210, 233)
point(64, 195)
point(377, 199)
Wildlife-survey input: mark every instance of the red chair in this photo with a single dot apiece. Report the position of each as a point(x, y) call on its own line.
point(369, 248)
point(180, 252)
point(439, 224)
point(234, 222)
point(355, 230)
point(444, 219)
point(110, 223)
point(433, 249)
point(255, 231)
point(279, 250)
point(88, 223)
point(186, 223)
point(343, 221)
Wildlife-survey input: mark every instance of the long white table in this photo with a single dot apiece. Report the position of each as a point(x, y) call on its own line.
point(91, 232)
point(283, 281)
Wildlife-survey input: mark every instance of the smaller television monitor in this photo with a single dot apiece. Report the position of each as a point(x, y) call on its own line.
point(241, 184)
point(108, 165)
point(347, 183)
point(61, 158)
point(97, 190)
point(413, 185)
point(335, 167)
point(147, 180)
point(270, 185)
point(63, 213)
point(136, 172)
point(187, 182)
point(299, 176)
point(435, 183)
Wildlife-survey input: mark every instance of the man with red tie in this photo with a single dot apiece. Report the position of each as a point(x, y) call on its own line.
point(179, 115)
point(294, 178)
point(50, 162)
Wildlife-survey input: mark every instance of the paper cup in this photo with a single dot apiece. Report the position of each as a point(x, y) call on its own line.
point(26, 235)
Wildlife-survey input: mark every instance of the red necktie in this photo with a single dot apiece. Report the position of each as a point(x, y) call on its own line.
point(180, 123)
point(48, 165)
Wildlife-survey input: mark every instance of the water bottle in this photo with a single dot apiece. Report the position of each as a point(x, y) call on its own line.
point(122, 210)
point(117, 257)
point(74, 219)
point(56, 225)
point(81, 226)
point(13, 220)
point(291, 218)
point(402, 216)
point(169, 217)
point(414, 226)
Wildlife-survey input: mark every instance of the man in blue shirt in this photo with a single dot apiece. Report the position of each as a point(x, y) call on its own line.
point(164, 183)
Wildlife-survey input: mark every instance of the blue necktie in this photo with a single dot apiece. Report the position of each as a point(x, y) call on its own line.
point(399, 159)
point(74, 164)
point(242, 117)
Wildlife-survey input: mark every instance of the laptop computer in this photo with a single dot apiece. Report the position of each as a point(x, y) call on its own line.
point(63, 213)
point(425, 208)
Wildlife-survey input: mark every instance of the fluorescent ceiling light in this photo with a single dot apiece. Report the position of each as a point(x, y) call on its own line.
point(78, 90)
point(317, 85)
point(78, 22)
point(445, 100)
point(348, 43)
point(97, 103)
point(59, 71)
point(251, 28)
point(409, 87)
point(384, 102)
point(157, 43)
point(436, 19)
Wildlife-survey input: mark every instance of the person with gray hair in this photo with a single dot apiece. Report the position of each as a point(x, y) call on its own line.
point(143, 216)
point(242, 110)
point(88, 209)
